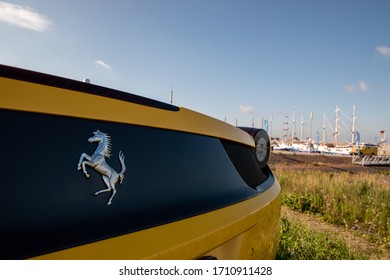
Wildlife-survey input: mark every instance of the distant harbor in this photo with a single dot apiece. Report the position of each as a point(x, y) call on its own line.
point(292, 143)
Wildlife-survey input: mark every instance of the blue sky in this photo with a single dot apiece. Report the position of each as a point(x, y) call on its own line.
point(238, 60)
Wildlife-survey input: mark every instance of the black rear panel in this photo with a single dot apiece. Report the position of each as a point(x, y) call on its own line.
point(245, 162)
point(47, 204)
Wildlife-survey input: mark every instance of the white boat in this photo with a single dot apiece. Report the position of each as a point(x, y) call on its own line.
point(280, 147)
point(345, 150)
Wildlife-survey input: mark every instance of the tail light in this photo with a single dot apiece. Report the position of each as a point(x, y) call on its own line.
point(262, 144)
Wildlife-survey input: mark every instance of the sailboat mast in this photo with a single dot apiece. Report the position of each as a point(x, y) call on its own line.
point(353, 123)
point(323, 130)
point(301, 134)
point(293, 126)
point(336, 128)
point(285, 128)
point(311, 125)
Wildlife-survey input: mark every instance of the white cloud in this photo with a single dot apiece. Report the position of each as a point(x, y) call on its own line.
point(24, 17)
point(383, 50)
point(360, 86)
point(363, 86)
point(246, 109)
point(103, 64)
point(349, 88)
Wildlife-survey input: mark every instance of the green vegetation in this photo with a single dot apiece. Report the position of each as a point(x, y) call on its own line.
point(358, 203)
point(297, 242)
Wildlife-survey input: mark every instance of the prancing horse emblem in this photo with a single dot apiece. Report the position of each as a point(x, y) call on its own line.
point(97, 161)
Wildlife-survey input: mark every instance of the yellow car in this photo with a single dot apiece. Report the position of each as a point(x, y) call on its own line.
point(90, 172)
point(365, 149)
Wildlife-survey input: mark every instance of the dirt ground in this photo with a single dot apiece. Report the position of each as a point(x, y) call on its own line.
point(326, 163)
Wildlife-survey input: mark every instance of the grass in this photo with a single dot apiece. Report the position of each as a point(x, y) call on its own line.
point(358, 203)
point(298, 242)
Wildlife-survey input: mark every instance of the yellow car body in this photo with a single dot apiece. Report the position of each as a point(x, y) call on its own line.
point(171, 184)
point(365, 149)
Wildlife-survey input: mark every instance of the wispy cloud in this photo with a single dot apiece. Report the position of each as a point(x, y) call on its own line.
point(24, 17)
point(103, 64)
point(360, 86)
point(383, 50)
point(350, 88)
point(246, 109)
point(363, 86)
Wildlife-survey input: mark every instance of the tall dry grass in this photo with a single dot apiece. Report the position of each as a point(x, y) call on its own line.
point(299, 242)
point(359, 202)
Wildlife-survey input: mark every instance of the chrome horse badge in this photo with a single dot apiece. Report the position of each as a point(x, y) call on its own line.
point(97, 161)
